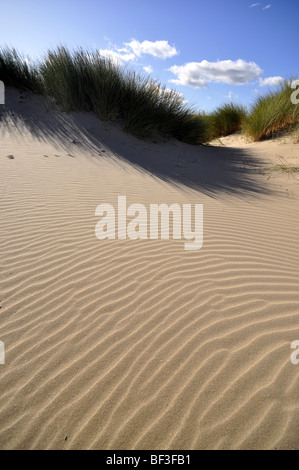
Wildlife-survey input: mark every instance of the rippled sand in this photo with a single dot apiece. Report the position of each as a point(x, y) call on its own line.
point(140, 344)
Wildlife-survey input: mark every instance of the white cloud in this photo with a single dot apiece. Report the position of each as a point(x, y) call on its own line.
point(148, 69)
point(117, 56)
point(267, 7)
point(160, 49)
point(136, 49)
point(254, 5)
point(271, 81)
point(199, 74)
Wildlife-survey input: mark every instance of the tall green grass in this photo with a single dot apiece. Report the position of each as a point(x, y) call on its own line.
point(271, 113)
point(226, 120)
point(81, 81)
point(148, 109)
point(85, 81)
point(17, 72)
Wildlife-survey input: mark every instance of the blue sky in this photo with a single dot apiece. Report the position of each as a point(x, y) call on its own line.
point(211, 51)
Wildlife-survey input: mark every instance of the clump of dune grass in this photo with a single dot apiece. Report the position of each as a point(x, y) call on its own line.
point(105, 86)
point(149, 109)
point(141, 105)
point(271, 113)
point(16, 71)
point(191, 128)
point(65, 80)
point(226, 119)
point(83, 80)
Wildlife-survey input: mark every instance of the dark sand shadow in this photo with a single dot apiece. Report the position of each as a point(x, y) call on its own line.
point(207, 169)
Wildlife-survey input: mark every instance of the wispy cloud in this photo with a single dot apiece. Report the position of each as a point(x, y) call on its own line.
point(135, 49)
point(160, 49)
point(148, 69)
point(253, 5)
point(271, 81)
point(199, 74)
point(117, 56)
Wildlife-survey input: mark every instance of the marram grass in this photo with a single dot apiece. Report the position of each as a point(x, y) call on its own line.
point(85, 81)
point(16, 71)
point(227, 119)
point(271, 113)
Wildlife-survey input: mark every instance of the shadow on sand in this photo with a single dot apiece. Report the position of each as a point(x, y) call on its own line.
point(207, 169)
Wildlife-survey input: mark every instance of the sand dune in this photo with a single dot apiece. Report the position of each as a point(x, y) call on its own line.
point(139, 344)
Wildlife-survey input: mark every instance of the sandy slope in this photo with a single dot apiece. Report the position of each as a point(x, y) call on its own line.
point(139, 344)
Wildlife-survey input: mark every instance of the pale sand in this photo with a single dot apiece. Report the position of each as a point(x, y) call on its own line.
point(140, 344)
